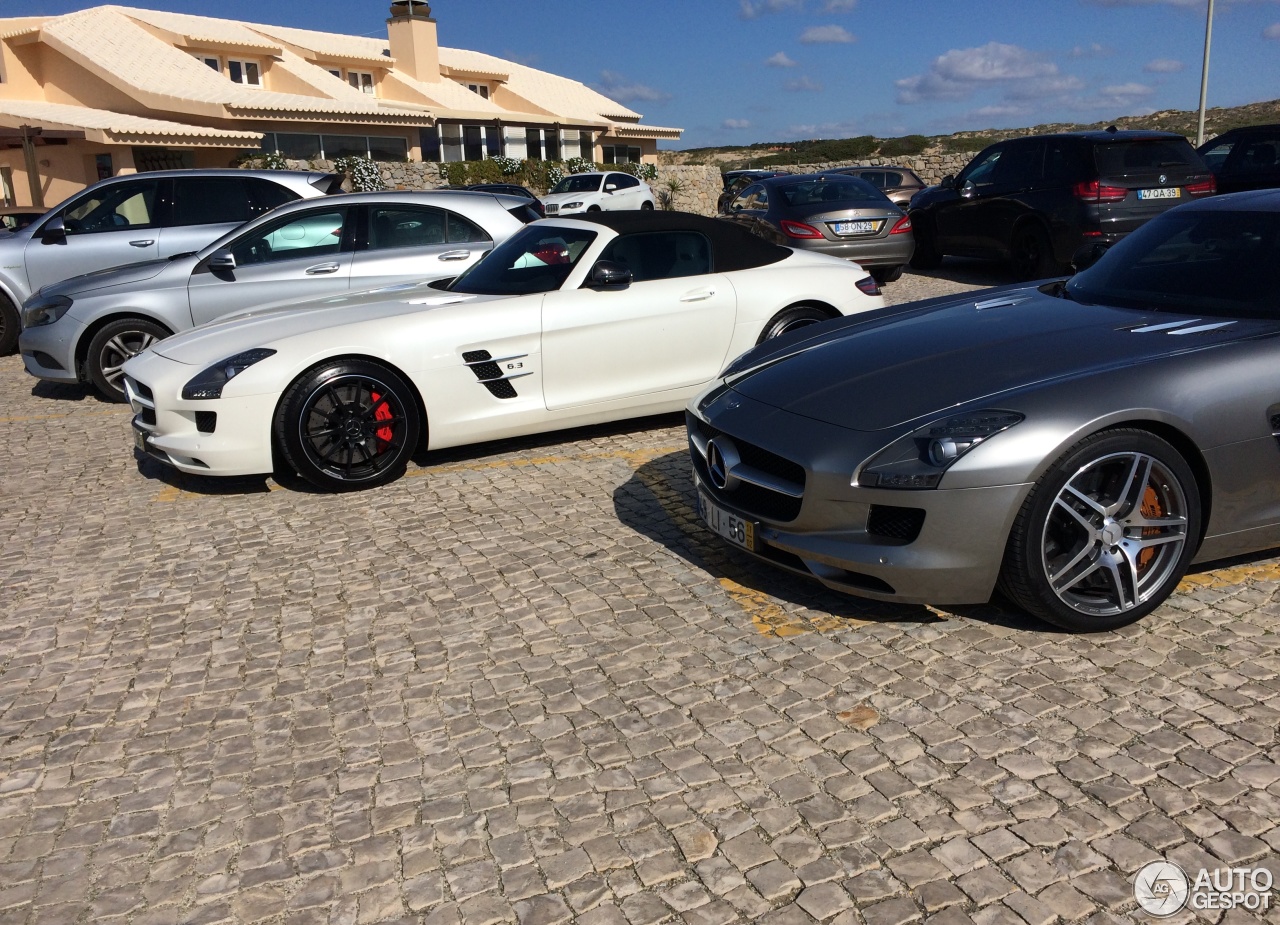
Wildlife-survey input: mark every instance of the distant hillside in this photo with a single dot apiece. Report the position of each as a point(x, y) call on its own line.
point(813, 151)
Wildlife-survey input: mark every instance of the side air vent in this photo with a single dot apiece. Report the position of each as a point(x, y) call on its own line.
point(895, 523)
point(489, 371)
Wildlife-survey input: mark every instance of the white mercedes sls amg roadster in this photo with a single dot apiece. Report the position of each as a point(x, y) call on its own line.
point(569, 322)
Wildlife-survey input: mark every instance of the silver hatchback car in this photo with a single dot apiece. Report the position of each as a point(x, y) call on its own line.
point(139, 217)
point(83, 329)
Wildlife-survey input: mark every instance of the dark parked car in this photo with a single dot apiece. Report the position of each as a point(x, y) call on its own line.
point(898, 183)
point(1034, 201)
point(1244, 158)
point(511, 189)
point(735, 181)
point(1075, 444)
point(831, 214)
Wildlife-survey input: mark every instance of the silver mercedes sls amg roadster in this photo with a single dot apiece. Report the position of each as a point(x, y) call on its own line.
point(1075, 444)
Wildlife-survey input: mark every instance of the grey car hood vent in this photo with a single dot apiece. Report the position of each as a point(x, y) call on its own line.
point(1186, 326)
point(1002, 302)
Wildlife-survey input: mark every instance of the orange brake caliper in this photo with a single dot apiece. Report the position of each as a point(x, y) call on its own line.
point(1150, 508)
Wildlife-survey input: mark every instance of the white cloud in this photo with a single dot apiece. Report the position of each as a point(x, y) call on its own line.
point(956, 74)
point(1129, 90)
point(779, 60)
point(618, 87)
point(736, 123)
point(1092, 50)
point(1163, 66)
point(839, 6)
point(1043, 88)
point(826, 35)
point(1272, 31)
point(802, 85)
point(847, 129)
point(750, 9)
point(1001, 111)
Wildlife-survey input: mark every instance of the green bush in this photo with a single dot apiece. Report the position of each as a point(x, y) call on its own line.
point(973, 143)
point(822, 151)
point(904, 146)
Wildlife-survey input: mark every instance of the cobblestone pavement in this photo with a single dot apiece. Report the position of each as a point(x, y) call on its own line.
point(522, 684)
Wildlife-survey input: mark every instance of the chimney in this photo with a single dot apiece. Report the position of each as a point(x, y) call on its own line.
point(411, 33)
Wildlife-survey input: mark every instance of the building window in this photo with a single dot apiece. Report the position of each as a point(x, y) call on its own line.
point(482, 89)
point(493, 146)
point(429, 140)
point(361, 80)
point(303, 147)
point(335, 71)
point(588, 148)
point(212, 62)
point(245, 73)
point(620, 154)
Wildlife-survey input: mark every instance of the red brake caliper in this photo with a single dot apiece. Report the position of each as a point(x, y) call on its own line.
point(1151, 508)
point(382, 414)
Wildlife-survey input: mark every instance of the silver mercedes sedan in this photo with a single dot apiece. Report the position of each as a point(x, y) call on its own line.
point(1074, 443)
point(85, 328)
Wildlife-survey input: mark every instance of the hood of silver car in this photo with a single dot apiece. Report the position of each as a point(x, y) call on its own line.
point(900, 367)
point(128, 275)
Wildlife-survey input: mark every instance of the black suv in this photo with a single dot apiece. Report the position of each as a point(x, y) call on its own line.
point(1034, 201)
point(1244, 158)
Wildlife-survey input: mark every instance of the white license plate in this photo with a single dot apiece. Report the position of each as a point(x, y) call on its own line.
point(863, 227)
point(730, 526)
point(1168, 192)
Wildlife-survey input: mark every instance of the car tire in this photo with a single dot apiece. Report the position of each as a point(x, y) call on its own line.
point(792, 319)
point(348, 424)
point(1106, 533)
point(112, 346)
point(1032, 252)
point(884, 275)
point(593, 209)
point(10, 325)
point(926, 255)
point(646, 206)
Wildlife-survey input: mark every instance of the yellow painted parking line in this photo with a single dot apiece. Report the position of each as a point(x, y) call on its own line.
point(1231, 576)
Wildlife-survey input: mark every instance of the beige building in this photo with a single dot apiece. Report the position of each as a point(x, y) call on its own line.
point(113, 89)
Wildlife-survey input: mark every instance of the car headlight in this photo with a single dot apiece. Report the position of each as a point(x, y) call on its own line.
point(42, 310)
point(210, 382)
point(572, 205)
point(919, 459)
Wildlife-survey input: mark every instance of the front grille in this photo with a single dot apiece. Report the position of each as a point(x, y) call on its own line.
point(552, 208)
point(753, 499)
point(206, 421)
point(895, 523)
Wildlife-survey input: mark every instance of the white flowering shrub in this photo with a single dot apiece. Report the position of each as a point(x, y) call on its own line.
point(365, 175)
point(555, 173)
point(579, 165)
point(510, 166)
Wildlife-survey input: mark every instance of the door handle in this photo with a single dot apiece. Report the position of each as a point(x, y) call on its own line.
point(320, 268)
point(455, 255)
point(147, 243)
point(700, 295)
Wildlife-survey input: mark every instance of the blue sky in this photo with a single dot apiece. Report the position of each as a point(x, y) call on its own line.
point(741, 71)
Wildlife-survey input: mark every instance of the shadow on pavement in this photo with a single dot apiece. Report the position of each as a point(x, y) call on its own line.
point(658, 502)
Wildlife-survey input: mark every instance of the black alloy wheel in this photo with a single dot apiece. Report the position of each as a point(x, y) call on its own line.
point(792, 319)
point(1032, 252)
point(348, 424)
point(1106, 534)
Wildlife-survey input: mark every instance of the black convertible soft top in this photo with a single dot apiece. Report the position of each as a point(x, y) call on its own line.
point(733, 248)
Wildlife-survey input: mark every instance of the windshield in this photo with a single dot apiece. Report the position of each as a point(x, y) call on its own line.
point(1208, 262)
point(582, 183)
point(537, 259)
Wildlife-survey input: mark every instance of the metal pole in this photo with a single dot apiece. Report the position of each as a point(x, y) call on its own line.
point(1204, 73)
point(33, 169)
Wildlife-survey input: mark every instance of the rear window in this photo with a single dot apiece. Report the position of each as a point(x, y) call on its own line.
point(1132, 157)
point(813, 192)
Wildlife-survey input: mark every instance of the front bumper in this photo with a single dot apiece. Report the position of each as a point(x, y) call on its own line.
point(921, 547)
point(225, 436)
point(49, 351)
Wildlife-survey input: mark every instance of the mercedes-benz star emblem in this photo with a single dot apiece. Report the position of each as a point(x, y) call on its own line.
point(722, 458)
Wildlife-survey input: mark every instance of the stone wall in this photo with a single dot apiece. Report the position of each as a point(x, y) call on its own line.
point(698, 186)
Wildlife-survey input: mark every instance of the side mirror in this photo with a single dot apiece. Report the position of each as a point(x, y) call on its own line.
point(222, 259)
point(609, 275)
point(968, 189)
point(1087, 255)
point(54, 231)
point(947, 182)
point(736, 207)
point(610, 187)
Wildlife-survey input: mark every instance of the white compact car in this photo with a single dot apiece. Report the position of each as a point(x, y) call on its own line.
point(568, 322)
point(609, 191)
